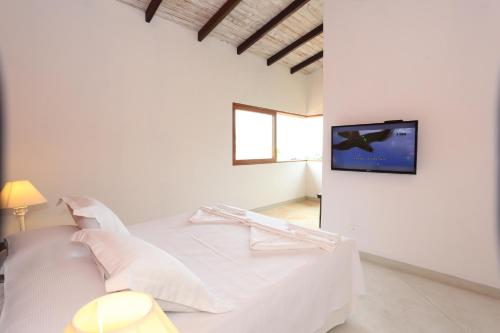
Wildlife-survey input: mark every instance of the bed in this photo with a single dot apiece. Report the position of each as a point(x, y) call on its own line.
point(48, 278)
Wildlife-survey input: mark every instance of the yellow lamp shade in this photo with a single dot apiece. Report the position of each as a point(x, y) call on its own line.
point(20, 193)
point(122, 312)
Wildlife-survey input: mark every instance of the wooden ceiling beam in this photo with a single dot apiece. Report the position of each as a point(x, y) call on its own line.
point(151, 10)
point(306, 62)
point(217, 18)
point(304, 39)
point(285, 13)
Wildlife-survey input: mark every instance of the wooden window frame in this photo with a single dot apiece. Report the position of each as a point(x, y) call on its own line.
point(244, 107)
point(273, 113)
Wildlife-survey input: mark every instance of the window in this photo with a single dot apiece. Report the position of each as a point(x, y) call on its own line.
point(291, 145)
point(266, 136)
point(313, 137)
point(254, 136)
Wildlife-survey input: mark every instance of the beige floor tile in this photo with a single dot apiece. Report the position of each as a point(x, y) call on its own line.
point(473, 312)
point(304, 213)
point(397, 302)
point(391, 305)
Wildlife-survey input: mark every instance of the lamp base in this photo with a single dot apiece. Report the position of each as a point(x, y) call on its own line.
point(20, 212)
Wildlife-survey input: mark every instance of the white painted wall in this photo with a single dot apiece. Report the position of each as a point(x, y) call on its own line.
point(313, 178)
point(437, 61)
point(138, 115)
point(315, 92)
point(314, 171)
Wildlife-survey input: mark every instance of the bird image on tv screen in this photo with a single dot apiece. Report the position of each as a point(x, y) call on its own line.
point(362, 141)
point(386, 147)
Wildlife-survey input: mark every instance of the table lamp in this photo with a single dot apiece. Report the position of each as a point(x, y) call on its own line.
point(18, 195)
point(123, 312)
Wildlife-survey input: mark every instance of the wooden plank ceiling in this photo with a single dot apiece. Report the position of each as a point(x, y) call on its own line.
point(246, 18)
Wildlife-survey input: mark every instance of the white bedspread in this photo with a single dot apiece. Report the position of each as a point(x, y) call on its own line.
point(287, 292)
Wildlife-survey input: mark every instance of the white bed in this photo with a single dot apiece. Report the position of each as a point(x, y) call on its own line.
point(303, 291)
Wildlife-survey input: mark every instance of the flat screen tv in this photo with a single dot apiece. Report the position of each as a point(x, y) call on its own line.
point(381, 147)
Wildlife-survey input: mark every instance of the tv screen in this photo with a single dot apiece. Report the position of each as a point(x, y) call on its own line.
point(382, 147)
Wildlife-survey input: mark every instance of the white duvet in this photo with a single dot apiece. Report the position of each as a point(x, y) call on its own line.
point(48, 279)
point(288, 292)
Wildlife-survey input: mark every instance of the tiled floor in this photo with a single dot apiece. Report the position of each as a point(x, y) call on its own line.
point(397, 302)
point(304, 213)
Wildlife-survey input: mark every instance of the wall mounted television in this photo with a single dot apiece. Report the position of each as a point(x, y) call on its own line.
point(380, 147)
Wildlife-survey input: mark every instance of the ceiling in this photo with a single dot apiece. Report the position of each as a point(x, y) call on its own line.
point(245, 19)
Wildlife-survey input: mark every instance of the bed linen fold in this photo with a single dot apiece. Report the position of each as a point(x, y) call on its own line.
point(268, 234)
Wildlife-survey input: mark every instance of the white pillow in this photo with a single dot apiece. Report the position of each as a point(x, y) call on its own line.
point(89, 213)
point(139, 266)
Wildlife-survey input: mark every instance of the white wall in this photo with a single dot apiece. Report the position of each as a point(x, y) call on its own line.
point(138, 115)
point(437, 61)
point(315, 92)
point(313, 178)
point(314, 171)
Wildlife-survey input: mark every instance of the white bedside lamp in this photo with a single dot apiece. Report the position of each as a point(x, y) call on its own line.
point(18, 195)
point(122, 312)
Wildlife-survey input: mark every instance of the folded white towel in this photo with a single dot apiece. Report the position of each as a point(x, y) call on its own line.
point(202, 216)
point(270, 234)
point(232, 210)
point(261, 240)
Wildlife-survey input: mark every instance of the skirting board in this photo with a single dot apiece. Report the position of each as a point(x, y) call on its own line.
point(312, 198)
point(432, 275)
point(279, 204)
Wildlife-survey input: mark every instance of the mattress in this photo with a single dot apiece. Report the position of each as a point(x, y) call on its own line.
point(293, 291)
point(48, 279)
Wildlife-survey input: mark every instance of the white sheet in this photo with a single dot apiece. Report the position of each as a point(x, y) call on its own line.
point(292, 292)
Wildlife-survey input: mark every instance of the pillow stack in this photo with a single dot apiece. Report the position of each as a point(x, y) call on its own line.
point(129, 263)
point(133, 264)
point(89, 213)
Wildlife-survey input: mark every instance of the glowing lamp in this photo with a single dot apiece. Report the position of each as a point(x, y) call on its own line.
point(18, 195)
point(122, 312)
